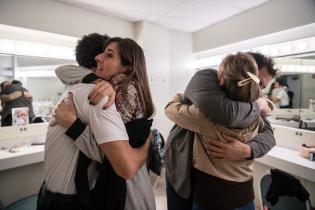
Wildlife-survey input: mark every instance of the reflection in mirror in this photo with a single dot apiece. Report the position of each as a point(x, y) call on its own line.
point(298, 72)
point(6, 67)
point(307, 111)
point(38, 77)
point(289, 80)
point(296, 62)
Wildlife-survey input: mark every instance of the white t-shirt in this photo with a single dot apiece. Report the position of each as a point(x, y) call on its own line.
point(61, 153)
point(283, 96)
point(140, 194)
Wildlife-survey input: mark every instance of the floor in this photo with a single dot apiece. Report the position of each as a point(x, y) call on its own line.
point(159, 190)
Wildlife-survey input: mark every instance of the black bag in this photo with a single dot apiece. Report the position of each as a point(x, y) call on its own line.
point(155, 162)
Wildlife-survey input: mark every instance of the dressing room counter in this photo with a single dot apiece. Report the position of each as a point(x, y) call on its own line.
point(22, 145)
point(21, 156)
point(285, 156)
point(289, 160)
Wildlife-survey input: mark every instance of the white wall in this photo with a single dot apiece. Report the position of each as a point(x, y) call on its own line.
point(168, 55)
point(20, 182)
point(155, 42)
point(271, 17)
point(180, 61)
point(44, 88)
point(2, 79)
point(56, 17)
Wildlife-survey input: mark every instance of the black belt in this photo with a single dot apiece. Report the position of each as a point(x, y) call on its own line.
point(48, 199)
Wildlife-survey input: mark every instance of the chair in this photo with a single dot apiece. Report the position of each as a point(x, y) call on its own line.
point(38, 119)
point(28, 203)
point(285, 202)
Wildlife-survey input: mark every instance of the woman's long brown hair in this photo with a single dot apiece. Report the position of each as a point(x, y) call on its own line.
point(132, 56)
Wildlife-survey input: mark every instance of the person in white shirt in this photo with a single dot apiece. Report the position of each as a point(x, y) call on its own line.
point(109, 138)
point(279, 95)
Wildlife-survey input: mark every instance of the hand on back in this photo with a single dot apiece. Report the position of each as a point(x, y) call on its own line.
point(65, 113)
point(231, 150)
point(102, 89)
point(265, 106)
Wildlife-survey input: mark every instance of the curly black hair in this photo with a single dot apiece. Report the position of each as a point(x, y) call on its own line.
point(16, 82)
point(88, 47)
point(264, 61)
point(281, 81)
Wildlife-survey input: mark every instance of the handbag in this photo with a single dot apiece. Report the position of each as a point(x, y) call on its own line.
point(155, 161)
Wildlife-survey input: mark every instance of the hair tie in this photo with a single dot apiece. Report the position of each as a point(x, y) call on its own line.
point(248, 80)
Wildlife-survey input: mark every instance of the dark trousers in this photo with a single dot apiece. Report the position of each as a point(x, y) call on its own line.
point(248, 206)
point(175, 201)
point(55, 201)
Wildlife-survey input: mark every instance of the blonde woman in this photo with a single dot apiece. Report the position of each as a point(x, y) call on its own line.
point(220, 183)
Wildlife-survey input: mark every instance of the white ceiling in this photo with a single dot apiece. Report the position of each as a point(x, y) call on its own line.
point(184, 15)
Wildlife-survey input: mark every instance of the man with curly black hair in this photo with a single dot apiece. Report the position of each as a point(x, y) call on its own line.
point(266, 66)
point(88, 47)
point(136, 193)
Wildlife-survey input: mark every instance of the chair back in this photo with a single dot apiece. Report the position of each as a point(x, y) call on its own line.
point(284, 202)
point(28, 203)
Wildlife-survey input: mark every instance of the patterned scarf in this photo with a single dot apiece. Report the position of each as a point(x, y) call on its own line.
point(128, 99)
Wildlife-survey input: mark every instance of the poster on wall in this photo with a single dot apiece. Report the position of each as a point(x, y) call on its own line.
point(20, 116)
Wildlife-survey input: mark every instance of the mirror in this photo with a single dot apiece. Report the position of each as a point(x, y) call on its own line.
point(38, 77)
point(6, 67)
point(298, 72)
point(307, 110)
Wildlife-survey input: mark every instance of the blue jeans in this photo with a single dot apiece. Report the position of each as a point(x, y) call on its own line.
point(248, 206)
